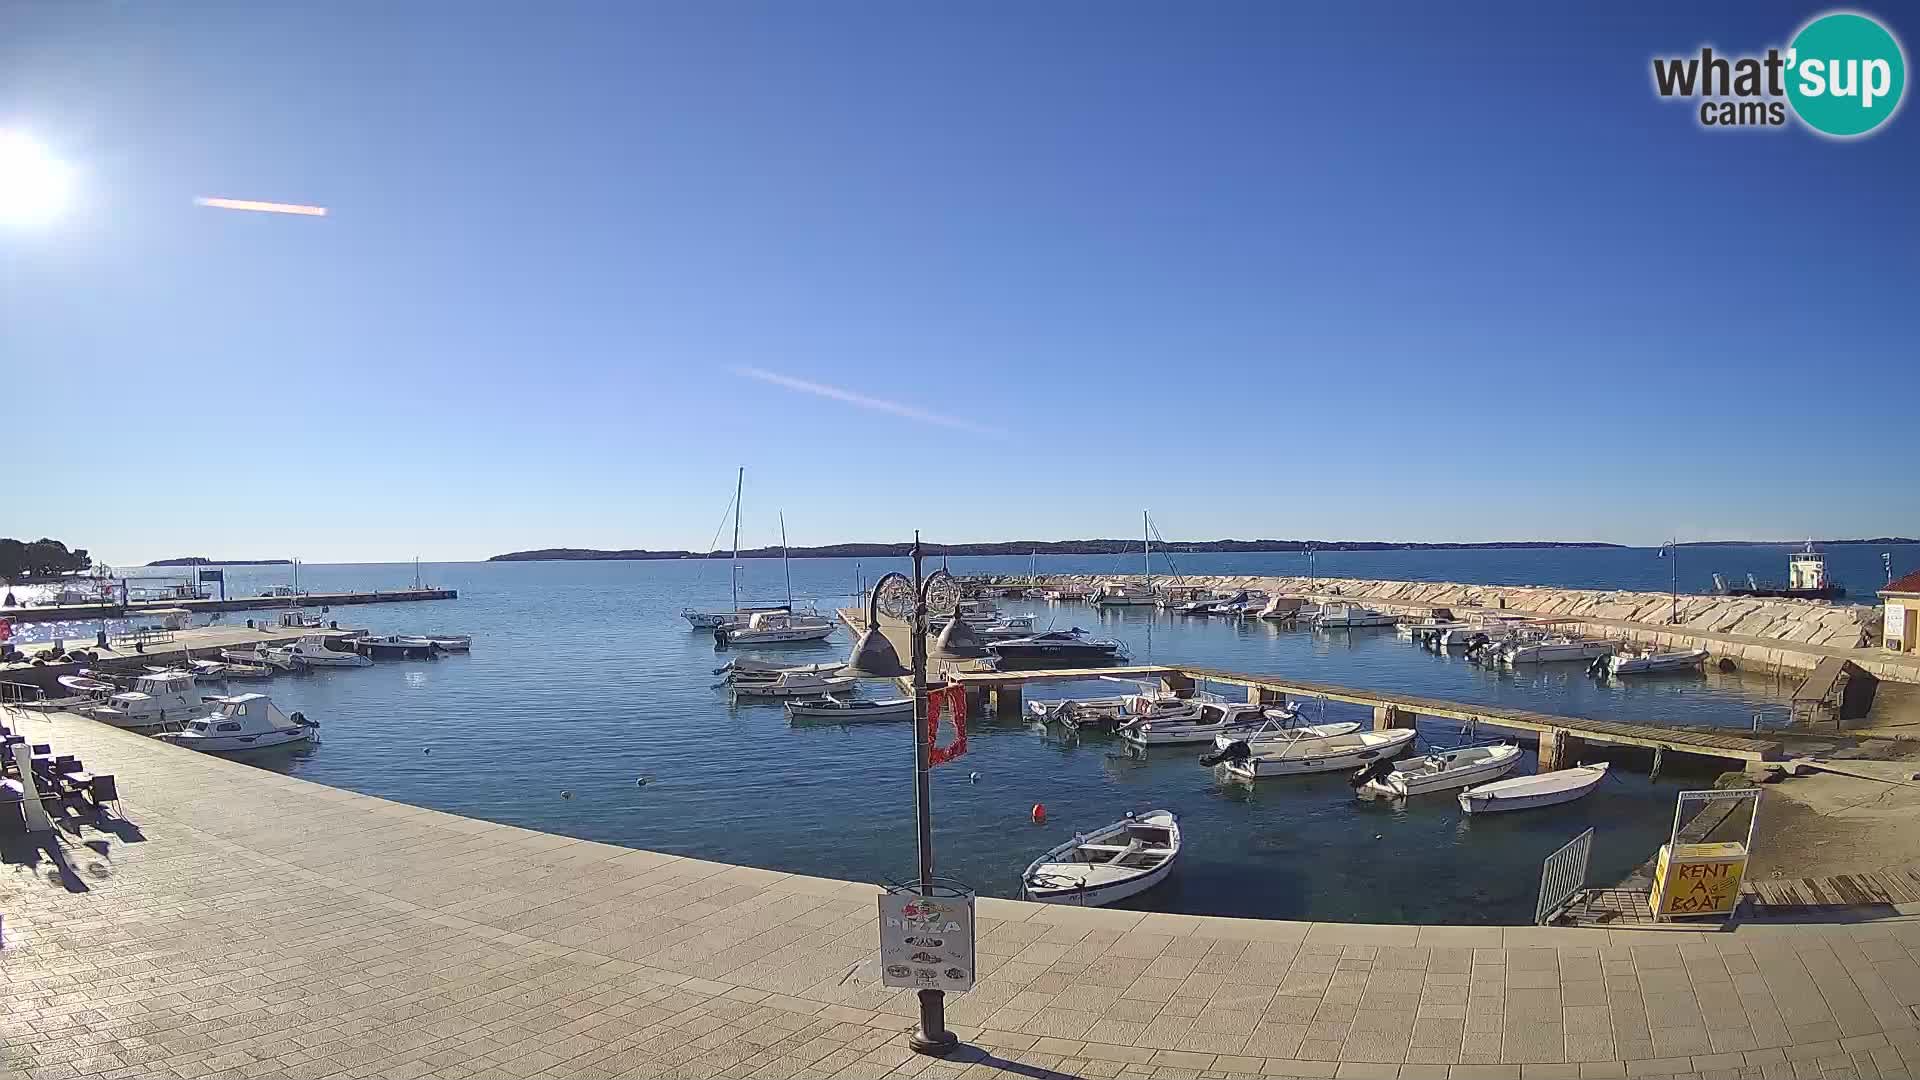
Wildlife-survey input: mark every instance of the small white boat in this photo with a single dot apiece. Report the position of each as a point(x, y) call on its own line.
point(1199, 725)
point(237, 669)
point(850, 712)
point(1527, 792)
point(1443, 771)
point(1320, 755)
point(312, 652)
point(1347, 616)
point(1642, 661)
point(791, 684)
point(1274, 734)
point(1127, 857)
point(1122, 594)
point(87, 686)
point(1558, 648)
point(277, 656)
point(774, 628)
point(753, 665)
point(1284, 609)
point(243, 722)
point(156, 698)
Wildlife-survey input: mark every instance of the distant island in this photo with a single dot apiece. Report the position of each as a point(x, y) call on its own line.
point(1027, 547)
point(198, 560)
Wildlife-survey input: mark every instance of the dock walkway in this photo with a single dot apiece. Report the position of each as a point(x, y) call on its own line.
point(134, 610)
point(240, 922)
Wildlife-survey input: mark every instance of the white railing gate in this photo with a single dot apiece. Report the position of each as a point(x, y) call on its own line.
point(1562, 876)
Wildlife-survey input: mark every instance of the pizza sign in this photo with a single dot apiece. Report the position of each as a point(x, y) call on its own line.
point(926, 942)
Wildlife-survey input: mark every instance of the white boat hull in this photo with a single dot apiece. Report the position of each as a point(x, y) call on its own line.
point(1260, 743)
point(778, 636)
point(1622, 664)
point(1054, 879)
point(1503, 795)
point(1559, 652)
point(900, 709)
point(793, 687)
point(1332, 758)
point(1418, 781)
point(227, 744)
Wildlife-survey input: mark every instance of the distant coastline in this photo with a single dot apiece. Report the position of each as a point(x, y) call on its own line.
point(197, 560)
point(1025, 547)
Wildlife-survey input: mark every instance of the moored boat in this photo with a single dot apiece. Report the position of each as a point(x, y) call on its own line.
point(1072, 644)
point(451, 642)
point(155, 699)
point(1199, 724)
point(790, 684)
point(1274, 733)
point(1348, 616)
point(1123, 859)
point(312, 651)
point(1647, 661)
point(1540, 789)
point(1440, 771)
point(774, 628)
point(396, 647)
point(1554, 649)
point(243, 722)
point(836, 710)
point(1320, 755)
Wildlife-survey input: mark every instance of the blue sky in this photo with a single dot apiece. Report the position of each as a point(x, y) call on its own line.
point(1370, 272)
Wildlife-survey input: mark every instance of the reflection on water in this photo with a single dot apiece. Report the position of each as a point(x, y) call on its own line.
point(583, 678)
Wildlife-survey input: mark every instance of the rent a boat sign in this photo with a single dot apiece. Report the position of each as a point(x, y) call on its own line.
point(926, 942)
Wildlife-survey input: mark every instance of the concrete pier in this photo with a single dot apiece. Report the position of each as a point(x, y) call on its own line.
point(242, 923)
point(139, 608)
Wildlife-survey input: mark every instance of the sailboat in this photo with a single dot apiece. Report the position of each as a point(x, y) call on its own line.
point(1127, 594)
point(775, 627)
point(737, 612)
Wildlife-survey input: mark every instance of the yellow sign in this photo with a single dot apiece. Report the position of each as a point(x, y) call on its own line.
point(1698, 879)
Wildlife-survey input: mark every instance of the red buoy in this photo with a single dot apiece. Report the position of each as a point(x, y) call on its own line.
point(1039, 813)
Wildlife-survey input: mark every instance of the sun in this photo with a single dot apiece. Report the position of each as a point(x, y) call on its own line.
point(34, 185)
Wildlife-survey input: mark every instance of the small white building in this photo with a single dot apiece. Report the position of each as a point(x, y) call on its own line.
point(1901, 626)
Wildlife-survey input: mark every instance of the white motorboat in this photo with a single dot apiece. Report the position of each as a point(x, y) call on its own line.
point(1646, 661)
point(1557, 648)
point(1347, 616)
point(1441, 771)
point(243, 722)
point(753, 665)
point(396, 647)
point(276, 656)
point(1320, 755)
point(1540, 789)
point(157, 698)
point(774, 628)
point(1458, 636)
point(791, 684)
point(837, 711)
point(1073, 644)
point(1127, 857)
point(1200, 725)
point(1284, 609)
point(1275, 734)
point(237, 669)
point(312, 652)
point(87, 686)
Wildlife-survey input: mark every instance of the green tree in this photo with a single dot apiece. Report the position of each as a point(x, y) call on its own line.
point(41, 558)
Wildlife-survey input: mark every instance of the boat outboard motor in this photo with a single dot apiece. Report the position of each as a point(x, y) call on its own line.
point(1235, 751)
point(1597, 669)
point(719, 638)
point(1372, 770)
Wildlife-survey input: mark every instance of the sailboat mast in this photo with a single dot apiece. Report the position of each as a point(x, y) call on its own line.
point(739, 484)
point(785, 567)
point(1146, 537)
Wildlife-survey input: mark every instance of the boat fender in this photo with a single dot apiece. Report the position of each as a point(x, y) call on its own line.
point(1039, 813)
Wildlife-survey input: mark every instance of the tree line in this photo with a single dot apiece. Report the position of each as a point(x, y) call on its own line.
point(20, 560)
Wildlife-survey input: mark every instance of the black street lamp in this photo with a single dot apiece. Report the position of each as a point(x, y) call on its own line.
point(874, 657)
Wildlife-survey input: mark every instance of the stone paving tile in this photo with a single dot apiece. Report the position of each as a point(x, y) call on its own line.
point(410, 943)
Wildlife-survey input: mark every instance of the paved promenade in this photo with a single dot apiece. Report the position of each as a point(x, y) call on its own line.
point(248, 924)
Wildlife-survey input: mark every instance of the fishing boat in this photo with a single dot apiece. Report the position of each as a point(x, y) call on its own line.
point(156, 698)
point(1540, 789)
point(1441, 771)
point(790, 684)
point(1275, 734)
point(1200, 725)
point(1806, 580)
point(1071, 644)
point(839, 711)
point(1127, 857)
point(1320, 755)
point(1554, 649)
point(1347, 616)
point(396, 647)
point(243, 722)
point(1648, 661)
point(312, 652)
point(774, 628)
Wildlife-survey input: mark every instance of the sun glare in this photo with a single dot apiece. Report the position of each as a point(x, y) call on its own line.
point(34, 185)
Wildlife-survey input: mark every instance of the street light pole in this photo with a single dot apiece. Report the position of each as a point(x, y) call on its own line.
point(933, 1038)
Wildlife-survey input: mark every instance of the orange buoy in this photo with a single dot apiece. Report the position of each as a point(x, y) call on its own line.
point(1039, 813)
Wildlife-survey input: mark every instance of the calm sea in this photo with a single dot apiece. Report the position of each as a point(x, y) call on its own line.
point(587, 708)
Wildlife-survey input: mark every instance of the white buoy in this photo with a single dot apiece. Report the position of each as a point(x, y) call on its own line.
point(973, 778)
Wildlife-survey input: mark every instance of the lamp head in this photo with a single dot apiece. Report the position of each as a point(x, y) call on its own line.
point(958, 639)
point(873, 657)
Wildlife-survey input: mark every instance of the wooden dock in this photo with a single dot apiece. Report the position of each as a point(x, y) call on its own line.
point(1561, 737)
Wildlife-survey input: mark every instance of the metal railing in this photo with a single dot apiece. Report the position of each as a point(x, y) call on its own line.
point(1562, 876)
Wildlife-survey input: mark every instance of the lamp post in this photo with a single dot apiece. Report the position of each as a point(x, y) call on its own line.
point(874, 657)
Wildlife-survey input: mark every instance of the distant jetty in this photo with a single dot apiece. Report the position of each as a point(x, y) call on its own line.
point(199, 560)
point(1027, 547)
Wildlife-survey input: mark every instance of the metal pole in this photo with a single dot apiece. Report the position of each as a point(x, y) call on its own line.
point(933, 1038)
